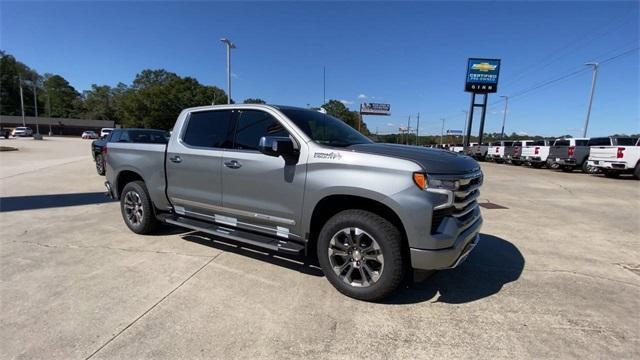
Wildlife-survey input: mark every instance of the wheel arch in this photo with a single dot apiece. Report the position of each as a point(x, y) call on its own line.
point(124, 177)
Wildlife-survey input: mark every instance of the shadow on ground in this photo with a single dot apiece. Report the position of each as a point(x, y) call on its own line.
point(32, 202)
point(494, 263)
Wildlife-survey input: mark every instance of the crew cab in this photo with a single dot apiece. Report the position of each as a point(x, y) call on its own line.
point(457, 148)
point(615, 159)
point(498, 150)
point(514, 156)
point(569, 154)
point(297, 181)
point(536, 153)
point(478, 151)
point(130, 135)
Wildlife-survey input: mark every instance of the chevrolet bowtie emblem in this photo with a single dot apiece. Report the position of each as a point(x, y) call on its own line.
point(484, 67)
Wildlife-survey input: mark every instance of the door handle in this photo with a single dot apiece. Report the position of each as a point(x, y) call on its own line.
point(233, 164)
point(176, 159)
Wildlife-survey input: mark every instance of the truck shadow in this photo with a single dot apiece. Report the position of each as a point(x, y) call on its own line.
point(494, 263)
point(32, 202)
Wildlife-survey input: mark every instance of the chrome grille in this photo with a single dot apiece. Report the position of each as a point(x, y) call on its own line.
point(465, 198)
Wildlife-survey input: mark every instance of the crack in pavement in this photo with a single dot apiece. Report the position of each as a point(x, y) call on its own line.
point(153, 306)
point(107, 248)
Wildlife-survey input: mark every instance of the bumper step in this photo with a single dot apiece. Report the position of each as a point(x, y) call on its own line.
point(237, 235)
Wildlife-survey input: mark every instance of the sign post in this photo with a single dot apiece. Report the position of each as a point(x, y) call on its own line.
point(373, 109)
point(482, 78)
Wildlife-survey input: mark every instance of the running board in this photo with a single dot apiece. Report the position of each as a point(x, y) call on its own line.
point(235, 234)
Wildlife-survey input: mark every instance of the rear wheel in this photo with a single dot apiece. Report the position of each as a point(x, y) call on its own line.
point(100, 164)
point(360, 253)
point(137, 209)
point(567, 168)
point(636, 171)
point(587, 169)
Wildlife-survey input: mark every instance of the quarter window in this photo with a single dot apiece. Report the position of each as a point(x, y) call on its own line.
point(210, 129)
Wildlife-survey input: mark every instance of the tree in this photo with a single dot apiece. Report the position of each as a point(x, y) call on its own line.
point(254, 101)
point(63, 98)
point(11, 71)
point(337, 109)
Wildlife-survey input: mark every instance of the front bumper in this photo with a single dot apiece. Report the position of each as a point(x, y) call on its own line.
point(447, 258)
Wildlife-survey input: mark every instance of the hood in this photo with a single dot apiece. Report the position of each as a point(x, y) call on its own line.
point(434, 161)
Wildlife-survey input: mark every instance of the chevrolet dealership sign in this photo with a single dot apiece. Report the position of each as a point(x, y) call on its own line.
point(482, 76)
point(375, 109)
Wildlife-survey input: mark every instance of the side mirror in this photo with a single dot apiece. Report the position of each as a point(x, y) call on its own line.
point(276, 146)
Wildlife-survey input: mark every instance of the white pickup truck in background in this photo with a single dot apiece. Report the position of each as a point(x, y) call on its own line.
point(623, 158)
point(536, 153)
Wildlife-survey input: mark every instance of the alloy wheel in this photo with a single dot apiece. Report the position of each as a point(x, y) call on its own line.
point(356, 257)
point(133, 208)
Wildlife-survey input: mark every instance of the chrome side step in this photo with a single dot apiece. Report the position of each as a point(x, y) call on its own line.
point(238, 235)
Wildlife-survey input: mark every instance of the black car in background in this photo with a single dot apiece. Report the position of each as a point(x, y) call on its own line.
point(143, 136)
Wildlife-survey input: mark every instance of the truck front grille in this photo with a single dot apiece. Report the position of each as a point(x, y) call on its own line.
point(464, 202)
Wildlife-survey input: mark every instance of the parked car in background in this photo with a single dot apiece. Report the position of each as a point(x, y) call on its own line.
point(89, 135)
point(623, 157)
point(99, 147)
point(105, 131)
point(295, 181)
point(569, 154)
point(457, 148)
point(536, 153)
point(478, 151)
point(498, 150)
point(22, 131)
point(514, 156)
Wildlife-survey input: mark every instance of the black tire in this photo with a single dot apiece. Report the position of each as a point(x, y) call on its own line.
point(374, 229)
point(636, 171)
point(137, 209)
point(567, 168)
point(611, 174)
point(100, 169)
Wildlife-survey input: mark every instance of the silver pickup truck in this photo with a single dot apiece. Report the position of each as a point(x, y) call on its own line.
point(298, 181)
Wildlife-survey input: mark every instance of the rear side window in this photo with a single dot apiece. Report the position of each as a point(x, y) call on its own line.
point(625, 141)
point(599, 142)
point(209, 129)
point(538, 143)
point(114, 136)
point(584, 142)
point(508, 143)
point(254, 124)
point(561, 143)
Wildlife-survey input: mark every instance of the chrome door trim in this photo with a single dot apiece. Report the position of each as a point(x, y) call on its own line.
point(248, 214)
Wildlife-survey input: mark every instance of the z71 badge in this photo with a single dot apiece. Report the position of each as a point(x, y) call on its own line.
point(331, 155)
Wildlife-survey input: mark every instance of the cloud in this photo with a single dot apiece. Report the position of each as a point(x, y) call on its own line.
point(391, 124)
point(522, 133)
point(346, 102)
point(234, 75)
point(362, 96)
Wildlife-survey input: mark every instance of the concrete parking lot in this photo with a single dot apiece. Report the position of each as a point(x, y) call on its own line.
point(556, 275)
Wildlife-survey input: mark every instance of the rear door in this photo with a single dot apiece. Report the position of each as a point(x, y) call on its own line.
point(194, 183)
point(261, 193)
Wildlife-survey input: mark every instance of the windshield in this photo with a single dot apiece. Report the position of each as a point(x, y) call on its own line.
point(325, 129)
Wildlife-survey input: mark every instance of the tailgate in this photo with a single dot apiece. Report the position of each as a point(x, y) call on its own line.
point(603, 153)
point(559, 152)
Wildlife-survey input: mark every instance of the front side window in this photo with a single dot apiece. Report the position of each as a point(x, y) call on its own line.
point(209, 129)
point(325, 129)
point(254, 124)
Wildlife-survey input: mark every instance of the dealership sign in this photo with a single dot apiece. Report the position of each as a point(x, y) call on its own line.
point(482, 75)
point(454, 132)
point(375, 109)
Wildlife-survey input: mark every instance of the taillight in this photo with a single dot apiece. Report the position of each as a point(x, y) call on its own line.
point(497, 150)
point(571, 149)
point(536, 151)
point(619, 154)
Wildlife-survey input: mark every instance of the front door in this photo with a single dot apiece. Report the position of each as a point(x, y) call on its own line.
point(262, 193)
point(194, 160)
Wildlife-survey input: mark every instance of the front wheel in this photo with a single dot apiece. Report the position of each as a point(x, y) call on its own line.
point(360, 253)
point(137, 208)
point(100, 164)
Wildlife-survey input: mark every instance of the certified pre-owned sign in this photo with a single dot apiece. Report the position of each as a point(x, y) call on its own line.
point(375, 109)
point(482, 75)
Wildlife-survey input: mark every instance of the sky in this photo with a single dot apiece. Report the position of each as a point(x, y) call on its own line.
point(411, 55)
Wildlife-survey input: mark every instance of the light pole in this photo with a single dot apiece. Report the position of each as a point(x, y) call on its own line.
point(466, 123)
point(21, 100)
point(442, 133)
point(595, 66)
point(504, 116)
point(230, 46)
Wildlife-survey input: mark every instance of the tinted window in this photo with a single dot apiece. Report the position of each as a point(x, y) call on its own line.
point(147, 136)
point(538, 143)
point(599, 141)
point(625, 141)
point(508, 143)
point(325, 129)
point(582, 142)
point(561, 143)
point(254, 124)
point(209, 129)
point(114, 136)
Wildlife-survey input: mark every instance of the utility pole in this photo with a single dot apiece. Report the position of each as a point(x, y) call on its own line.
point(595, 66)
point(408, 128)
point(35, 104)
point(230, 46)
point(49, 112)
point(504, 116)
point(21, 100)
point(442, 133)
point(324, 86)
point(464, 132)
point(418, 131)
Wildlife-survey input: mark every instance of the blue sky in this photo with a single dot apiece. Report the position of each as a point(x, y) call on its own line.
point(411, 55)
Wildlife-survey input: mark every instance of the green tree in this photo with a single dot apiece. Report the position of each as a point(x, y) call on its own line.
point(64, 100)
point(254, 101)
point(352, 118)
point(11, 71)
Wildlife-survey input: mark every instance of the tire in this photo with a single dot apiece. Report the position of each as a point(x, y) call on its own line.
point(636, 171)
point(137, 209)
point(586, 168)
point(352, 235)
point(567, 168)
point(100, 169)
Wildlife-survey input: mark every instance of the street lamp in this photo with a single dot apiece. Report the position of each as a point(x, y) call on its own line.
point(504, 116)
point(593, 88)
point(230, 46)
